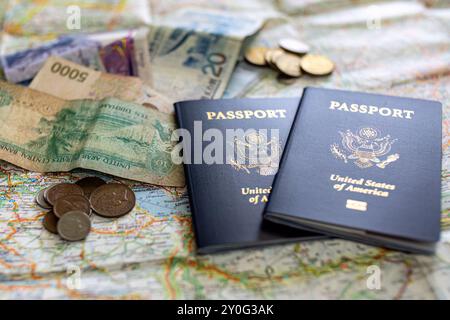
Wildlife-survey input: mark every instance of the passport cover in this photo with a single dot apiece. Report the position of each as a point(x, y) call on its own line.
point(365, 167)
point(227, 201)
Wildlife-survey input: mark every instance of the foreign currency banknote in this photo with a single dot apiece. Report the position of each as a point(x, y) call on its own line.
point(126, 52)
point(47, 134)
point(118, 57)
point(24, 65)
point(70, 81)
point(193, 52)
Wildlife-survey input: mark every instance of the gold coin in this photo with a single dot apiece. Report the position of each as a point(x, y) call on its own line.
point(255, 56)
point(289, 64)
point(317, 65)
point(271, 55)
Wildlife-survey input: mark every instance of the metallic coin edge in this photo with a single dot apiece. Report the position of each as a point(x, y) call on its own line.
point(112, 216)
point(318, 74)
point(287, 72)
point(249, 60)
point(62, 235)
point(70, 195)
point(50, 202)
point(299, 52)
point(45, 224)
point(45, 205)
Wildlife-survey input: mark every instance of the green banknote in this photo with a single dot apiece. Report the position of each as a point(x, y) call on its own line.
point(43, 133)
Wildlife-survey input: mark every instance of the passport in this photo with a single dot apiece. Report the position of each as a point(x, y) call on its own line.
point(227, 197)
point(363, 167)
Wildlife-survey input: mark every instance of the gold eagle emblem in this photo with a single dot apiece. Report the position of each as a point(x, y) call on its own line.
point(256, 153)
point(365, 147)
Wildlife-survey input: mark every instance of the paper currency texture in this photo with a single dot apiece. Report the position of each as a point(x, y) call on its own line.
point(46, 134)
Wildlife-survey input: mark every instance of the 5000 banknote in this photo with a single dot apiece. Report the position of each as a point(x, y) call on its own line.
point(70, 81)
point(46, 134)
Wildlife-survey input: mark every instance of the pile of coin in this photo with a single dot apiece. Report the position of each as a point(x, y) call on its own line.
point(292, 58)
point(71, 205)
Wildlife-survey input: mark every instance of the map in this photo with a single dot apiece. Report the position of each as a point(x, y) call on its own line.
point(25, 18)
point(399, 48)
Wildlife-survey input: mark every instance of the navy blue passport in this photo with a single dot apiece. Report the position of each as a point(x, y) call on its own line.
point(364, 167)
point(227, 197)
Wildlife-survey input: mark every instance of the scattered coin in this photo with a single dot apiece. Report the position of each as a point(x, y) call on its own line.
point(293, 45)
point(289, 64)
point(89, 184)
point(109, 200)
point(40, 200)
point(271, 56)
point(112, 200)
point(255, 56)
point(50, 222)
point(74, 226)
point(290, 59)
point(71, 202)
point(317, 65)
point(276, 54)
point(59, 190)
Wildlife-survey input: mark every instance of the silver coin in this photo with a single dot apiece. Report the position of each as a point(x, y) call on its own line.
point(40, 200)
point(293, 45)
point(74, 226)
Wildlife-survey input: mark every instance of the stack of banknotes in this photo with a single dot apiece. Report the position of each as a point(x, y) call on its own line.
point(103, 100)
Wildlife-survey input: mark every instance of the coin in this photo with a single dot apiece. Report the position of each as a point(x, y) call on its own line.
point(74, 225)
point(71, 202)
point(293, 45)
point(271, 55)
point(46, 191)
point(289, 64)
point(40, 200)
point(112, 200)
point(89, 184)
point(59, 190)
point(255, 56)
point(317, 65)
point(50, 222)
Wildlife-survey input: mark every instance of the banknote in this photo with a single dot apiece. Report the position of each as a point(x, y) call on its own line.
point(46, 134)
point(193, 52)
point(126, 53)
point(118, 57)
point(24, 65)
point(70, 81)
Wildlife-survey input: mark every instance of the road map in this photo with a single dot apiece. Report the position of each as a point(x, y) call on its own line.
point(401, 49)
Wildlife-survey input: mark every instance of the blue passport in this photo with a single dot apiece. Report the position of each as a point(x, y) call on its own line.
point(363, 167)
point(227, 188)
